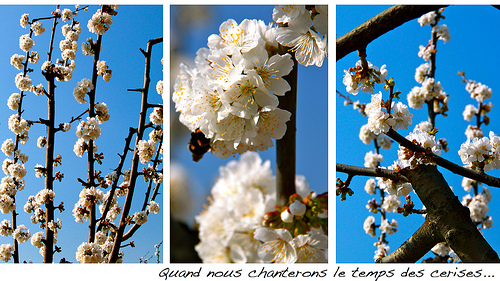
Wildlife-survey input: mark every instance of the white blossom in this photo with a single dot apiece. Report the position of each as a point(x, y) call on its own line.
point(89, 253)
point(372, 160)
point(6, 252)
point(389, 228)
point(100, 22)
point(17, 61)
point(391, 203)
point(370, 186)
point(276, 246)
point(140, 217)
point(8, 147)
point(21, 234)
point(146, 150)
point(26, 43)
point(427, 19)
point(369, 226)
point(37, 28)
point(469, 112)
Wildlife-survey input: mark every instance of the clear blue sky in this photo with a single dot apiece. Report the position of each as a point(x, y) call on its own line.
point(131, 29)
point(472, 49)
point(312, 111)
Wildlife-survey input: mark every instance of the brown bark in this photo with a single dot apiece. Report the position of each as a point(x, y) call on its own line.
point(377, 26)
point(450, 220)
point(286, 146)
point(419, 244)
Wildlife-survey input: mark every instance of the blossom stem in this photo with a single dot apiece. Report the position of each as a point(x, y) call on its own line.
point(452, 167)
point(49, 167)
point(370, 172)
point(118, 170)
point(432, 73)
point(90, 151)
point(49, 156)
point(147, 199)
point(285, 147)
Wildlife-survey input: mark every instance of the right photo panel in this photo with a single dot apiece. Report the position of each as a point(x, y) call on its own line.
point(417, 144)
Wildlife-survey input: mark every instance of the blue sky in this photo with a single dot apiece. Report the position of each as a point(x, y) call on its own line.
point(131, 29)
point(312, 112)
point(471, 49)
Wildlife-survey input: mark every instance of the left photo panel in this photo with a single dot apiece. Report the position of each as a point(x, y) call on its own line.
point(82, 134)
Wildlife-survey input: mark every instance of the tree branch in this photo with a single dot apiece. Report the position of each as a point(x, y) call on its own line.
point(450, 216)
point(370, 172)
point(135, 159)
point(382, 23)
point(419, 244)
point(452, 167)
point(286, 146)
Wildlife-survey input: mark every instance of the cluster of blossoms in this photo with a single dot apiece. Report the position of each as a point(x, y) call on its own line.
point(382, 116)
point(231, 95)
point(367, 136)
point(481, 153)
point(480, 93)
point(364, 79)
point(304, 31)
point(88, 130)
point(6, 252)
point(98, 251)
point(34, 205)
point(103, 69)
point(410, 158)
point(89, 253)
point(478, 152)
point(431, 90)
point(13, 181)
point(442, 32)
point(88, 197)
point(101, 21)
point(146, 150)
point(230, 229)
point(81, 89)
point(69, 44)
point(478, 204)
point(380, 119)
point(391, 203)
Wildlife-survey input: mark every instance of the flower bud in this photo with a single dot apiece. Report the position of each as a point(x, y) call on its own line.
point(286, 216)
point(297, 208)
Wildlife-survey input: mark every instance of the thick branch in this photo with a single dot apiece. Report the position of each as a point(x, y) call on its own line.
point(419, 244)
point(286, 146)
point(449, 215)
point(375, 27)
point(371, 172)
